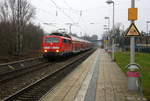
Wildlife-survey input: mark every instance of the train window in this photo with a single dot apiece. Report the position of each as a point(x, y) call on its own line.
point(52, 40)
point(65, 41)
point(69, 41)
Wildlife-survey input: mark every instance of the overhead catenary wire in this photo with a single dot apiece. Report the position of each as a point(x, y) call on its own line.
point(80, 16)
point(75, 10)
point(78, 11)
point(50, 14)
point(63, 11)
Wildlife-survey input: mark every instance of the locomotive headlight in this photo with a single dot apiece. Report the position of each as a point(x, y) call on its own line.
point(57, 51)
point(45, 51)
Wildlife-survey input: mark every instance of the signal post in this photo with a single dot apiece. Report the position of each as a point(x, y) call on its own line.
point(134, 70)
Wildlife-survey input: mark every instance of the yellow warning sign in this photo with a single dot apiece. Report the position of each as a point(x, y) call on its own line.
point(132, 31)
point(132, 13)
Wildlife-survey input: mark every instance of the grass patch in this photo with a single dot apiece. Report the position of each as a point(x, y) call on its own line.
point(143, 59)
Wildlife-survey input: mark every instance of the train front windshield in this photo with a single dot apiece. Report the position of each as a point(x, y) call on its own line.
point(52, 40)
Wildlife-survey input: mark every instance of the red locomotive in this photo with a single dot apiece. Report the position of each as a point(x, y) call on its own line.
point(60, 44)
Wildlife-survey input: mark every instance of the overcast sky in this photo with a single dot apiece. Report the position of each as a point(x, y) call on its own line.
point(93, 11)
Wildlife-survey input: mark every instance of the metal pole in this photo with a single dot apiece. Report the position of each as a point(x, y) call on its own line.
point(108, 24)
point(108, 35)
point(113, 40)
point(147, 27)
point(70, 28)
point(17, 36)
point(133, 84)
point(107, 30)
point(113, 15)
point(132, 40)
point(148, 33)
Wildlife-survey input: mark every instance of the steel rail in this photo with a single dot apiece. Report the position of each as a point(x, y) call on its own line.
point(16, 65)
point(20, 61)
point(22, 71)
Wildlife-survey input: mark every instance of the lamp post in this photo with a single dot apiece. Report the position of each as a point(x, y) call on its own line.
point(107, 18)
point(106, 28)
point(108, 39)
point(113, 47)
point(147, 22)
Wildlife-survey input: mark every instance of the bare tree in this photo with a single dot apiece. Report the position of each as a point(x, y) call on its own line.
point(15, 16)
point(15, 10)
point(4, 12)
point(18, 13)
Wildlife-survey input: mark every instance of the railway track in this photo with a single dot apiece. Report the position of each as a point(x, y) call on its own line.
point(36, 90)
point(11, 66)
point(20, 72)
point(12, 70)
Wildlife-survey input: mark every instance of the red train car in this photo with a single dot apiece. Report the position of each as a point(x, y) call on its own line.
point(59, 44)
point(80, 44)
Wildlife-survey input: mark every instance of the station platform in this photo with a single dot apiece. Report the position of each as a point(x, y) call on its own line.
point(96, 79)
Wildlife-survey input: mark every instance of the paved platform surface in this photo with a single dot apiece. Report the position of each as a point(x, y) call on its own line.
point(96, 79)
